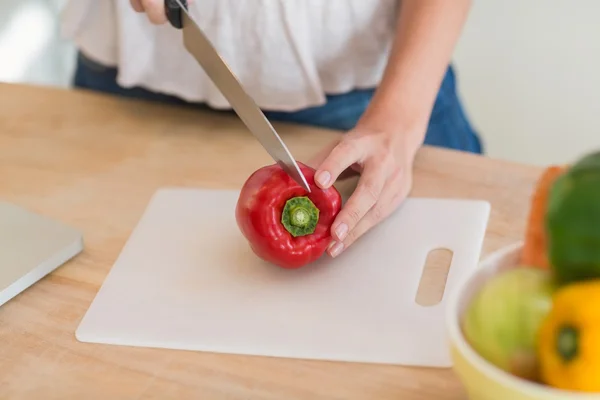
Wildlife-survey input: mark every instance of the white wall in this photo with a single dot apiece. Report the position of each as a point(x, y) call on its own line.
point(530, 77)
point(31, 49)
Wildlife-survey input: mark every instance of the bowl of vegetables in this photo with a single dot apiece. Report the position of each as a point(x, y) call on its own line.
point(526, 324)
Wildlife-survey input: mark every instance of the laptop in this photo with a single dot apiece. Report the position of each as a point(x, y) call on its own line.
point(31, 247)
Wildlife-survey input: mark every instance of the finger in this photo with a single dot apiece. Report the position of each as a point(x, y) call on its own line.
point(365, 196)
point(345, 154)
point(155, 10)
point(318, 159)
point(395, 191)
point(371, 218)
point(137, 5)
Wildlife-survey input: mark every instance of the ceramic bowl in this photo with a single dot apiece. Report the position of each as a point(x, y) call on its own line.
point(482, 380)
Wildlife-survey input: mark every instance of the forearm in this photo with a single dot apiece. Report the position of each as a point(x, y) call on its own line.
point(427, 33)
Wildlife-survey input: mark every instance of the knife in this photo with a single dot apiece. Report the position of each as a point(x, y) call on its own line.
point(196, 42)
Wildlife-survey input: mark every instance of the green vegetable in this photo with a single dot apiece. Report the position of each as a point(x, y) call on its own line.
point(573, 221)
point(503, 318)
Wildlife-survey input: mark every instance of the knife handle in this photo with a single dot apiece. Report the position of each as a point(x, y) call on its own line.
point(173, 11)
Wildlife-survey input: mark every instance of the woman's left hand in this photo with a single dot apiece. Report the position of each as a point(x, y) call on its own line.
point(384, 160)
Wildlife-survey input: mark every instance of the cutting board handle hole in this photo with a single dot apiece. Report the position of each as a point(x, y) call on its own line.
point(433, 280)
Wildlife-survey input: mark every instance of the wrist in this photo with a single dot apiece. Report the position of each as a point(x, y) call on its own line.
point(396, 115)
point(404, 127)
point(401, 141)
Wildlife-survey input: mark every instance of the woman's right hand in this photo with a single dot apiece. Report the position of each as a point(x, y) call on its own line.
point(154, 9)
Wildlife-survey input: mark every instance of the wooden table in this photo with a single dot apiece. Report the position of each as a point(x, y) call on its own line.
point(93, 162)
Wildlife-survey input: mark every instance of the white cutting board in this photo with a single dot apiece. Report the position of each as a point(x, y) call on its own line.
point(186, 279)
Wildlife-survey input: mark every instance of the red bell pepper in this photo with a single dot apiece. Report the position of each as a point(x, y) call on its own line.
point(284, 224)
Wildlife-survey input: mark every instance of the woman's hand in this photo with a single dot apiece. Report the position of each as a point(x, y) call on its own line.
point(384, 143)
point(384, 160)
point(154, 9)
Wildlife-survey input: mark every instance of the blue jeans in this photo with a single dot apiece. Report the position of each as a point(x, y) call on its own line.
point(448, 126)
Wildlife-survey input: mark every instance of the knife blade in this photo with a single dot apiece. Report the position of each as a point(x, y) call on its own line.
point(198, 45)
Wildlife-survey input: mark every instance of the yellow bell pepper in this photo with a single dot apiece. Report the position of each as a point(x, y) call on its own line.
point(569, 338)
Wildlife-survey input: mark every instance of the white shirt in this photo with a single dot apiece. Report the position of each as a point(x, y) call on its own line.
point(288, 54)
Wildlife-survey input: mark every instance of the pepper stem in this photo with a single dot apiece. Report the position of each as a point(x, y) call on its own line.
point(300, 216)
point(567, 342)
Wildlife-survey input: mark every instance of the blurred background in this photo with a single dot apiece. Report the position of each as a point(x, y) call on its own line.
point(529, 71)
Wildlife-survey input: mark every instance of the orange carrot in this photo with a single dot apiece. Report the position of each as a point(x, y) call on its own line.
point(535, 252)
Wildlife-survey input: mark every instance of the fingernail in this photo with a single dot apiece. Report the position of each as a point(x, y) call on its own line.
point(323, 178)
point(336, 249)
point(341, 231)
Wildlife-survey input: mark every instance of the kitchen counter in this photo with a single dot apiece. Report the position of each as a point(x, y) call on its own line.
point(93, 161)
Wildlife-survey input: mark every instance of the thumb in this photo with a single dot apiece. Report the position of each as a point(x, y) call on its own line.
point(343, 156)
point(316, 160)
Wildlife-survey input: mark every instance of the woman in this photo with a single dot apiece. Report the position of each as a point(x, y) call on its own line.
point(376, 69)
